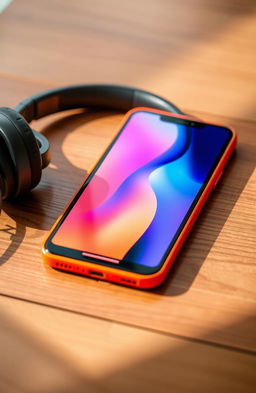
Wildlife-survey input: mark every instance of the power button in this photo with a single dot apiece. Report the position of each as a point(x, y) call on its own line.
point(217, 180)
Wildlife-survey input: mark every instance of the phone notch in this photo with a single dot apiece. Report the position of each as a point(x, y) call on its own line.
point(186, 122)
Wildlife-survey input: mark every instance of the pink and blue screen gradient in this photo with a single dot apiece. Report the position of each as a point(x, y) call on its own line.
point(138, 197)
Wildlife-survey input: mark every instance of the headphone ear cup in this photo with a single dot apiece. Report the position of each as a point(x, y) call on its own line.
point(23, 151)
point(7, 173)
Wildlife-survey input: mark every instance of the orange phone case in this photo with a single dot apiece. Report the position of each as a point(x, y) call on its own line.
point(134, 279)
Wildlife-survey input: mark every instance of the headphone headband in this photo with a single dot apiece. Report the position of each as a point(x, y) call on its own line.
point(81, 96)
point(25, 152)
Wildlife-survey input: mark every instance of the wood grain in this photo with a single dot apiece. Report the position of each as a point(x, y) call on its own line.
point(199, 53)
point(69, 352)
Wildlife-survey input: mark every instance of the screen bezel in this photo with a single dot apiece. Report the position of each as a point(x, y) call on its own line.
point(123, 264)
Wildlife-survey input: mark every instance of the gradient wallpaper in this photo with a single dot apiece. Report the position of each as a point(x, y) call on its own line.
point(137, 199)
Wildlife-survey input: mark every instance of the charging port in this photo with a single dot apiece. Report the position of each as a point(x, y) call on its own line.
point(96, 274)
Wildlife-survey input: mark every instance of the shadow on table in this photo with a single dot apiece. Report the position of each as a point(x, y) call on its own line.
point(30, 363)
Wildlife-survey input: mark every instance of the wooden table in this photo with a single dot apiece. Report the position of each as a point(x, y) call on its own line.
point(61, 333)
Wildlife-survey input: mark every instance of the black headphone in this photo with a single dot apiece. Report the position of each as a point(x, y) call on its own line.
point(25, 152)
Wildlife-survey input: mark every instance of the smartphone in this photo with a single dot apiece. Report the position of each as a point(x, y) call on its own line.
point(133, 212)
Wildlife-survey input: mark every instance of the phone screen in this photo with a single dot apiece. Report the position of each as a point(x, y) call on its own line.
point(134, 204)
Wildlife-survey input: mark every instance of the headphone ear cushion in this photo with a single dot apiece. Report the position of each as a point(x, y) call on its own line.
point(23, 150)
